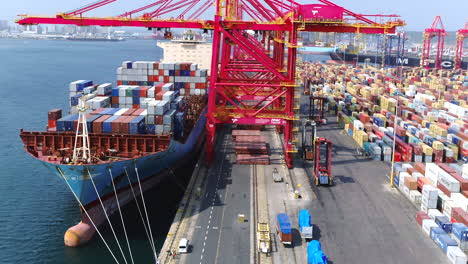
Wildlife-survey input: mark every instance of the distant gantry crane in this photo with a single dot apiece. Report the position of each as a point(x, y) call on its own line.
point(461, 35)
point(436, 30)
point(253, 67)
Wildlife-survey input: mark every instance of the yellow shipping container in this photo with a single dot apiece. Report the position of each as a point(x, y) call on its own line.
point(437, 145)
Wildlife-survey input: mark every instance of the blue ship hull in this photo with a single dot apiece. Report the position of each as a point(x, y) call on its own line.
point(159, 164)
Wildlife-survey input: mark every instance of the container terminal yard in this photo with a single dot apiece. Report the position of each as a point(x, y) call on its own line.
point(301, 163)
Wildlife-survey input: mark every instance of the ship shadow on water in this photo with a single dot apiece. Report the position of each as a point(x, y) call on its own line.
point(161, 202)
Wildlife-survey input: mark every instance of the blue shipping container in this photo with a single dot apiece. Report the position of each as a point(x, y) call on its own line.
point(150, 129)
point(443, 241)
point(284, 224)
point(436, 231)
point(89, 122)
point(113, 111)
point(115, 91)
point(107, 125)
point(305, 219)
point(137, 125)
point(460, 231)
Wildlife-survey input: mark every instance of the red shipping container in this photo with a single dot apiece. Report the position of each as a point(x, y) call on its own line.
point(97, 124)
point(420, 216)
point(459, 216)
point(159, 95)
point(444, 189)
point(156, 66)
point(397, 156)
point(119, 83)
point(138, 111)
point(144, 91)
point(463, 181)
point(447, 168)
point(450, 160)
point(129, 112)
point(193, 73)
point(115, 124)
point(54, 114)
point(115, 100)
point(465, 193)
point(166, 79)
point(51, 123)
point(423, 181)
point(411, 170)
point(125, 124)
point(438, 156)
point(135, 106)
point(158, 120)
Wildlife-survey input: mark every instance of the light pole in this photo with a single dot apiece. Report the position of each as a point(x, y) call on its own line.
point(392, 173)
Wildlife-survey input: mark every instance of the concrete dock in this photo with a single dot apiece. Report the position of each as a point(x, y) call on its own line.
point(358, 220)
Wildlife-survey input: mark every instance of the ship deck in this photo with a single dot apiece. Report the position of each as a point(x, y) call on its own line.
point(358, 220)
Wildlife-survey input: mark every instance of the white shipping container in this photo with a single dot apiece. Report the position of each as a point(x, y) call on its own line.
point(432, 172)
point(162, 107)
point(168, 87)
point(427, 224)
point(433, 213)
point(417, 175)
point(448, 181)
point(182, 91)
point(152, 105)
point(121, 111)
point(431, 204)
point(151, 92)
point(150, 119)
point(144, 113)
point(122, 90)
point(169, 96)
point(415, 196)
point(427, 158)
point(447, 208)
point(424, 208)
point(456, 255)
point(460, 201)
point(128, 100)
point(167, 129)
point(405, 190)
point(159, 129)
point(121, 100)
point(104, 89)
point(430, 192)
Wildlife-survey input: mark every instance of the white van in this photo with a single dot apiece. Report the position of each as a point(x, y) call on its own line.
point(183, 245)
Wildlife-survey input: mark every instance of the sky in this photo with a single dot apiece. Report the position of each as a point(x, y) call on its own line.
point(418, 14)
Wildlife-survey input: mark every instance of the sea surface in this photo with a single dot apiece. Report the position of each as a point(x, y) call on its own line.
point(36, 207)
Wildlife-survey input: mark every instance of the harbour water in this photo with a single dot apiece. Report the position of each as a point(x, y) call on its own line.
point(36, 208)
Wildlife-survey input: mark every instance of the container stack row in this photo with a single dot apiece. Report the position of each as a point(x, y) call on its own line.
point(186, 77)
point(250, 147)
point(440, 191)
point(425, 112)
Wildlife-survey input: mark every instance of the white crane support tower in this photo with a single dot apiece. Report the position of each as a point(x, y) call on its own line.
point(82, 153)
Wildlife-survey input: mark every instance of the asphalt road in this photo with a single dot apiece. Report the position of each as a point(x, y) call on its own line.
point(217, 236)
point(361, 219)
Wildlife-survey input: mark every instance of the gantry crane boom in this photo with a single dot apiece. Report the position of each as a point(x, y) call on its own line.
point(252, 75)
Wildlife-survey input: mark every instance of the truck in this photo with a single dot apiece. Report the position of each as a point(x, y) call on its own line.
point(305, 224)
point(276, 176)
point(315, 254)
point(283, 228)
point(263, 238)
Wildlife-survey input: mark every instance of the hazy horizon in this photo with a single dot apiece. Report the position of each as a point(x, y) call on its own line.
point(418, 14)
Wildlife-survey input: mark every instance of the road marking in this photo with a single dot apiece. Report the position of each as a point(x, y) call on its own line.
point(215, 227)
point(203, 250)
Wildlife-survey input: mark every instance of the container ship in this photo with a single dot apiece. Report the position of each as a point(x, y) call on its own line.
point(117, 142)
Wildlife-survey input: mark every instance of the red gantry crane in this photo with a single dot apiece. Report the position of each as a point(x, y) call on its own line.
point(461, 35)
point(254, 50)
point(436, 30)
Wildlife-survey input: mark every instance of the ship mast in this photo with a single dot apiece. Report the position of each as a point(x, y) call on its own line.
point(82, 153)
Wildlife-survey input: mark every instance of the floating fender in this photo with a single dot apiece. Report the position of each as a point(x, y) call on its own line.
point(78, 235)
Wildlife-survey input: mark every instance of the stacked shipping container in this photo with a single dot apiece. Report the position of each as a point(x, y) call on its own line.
point(153, 106)
point(432, 122)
